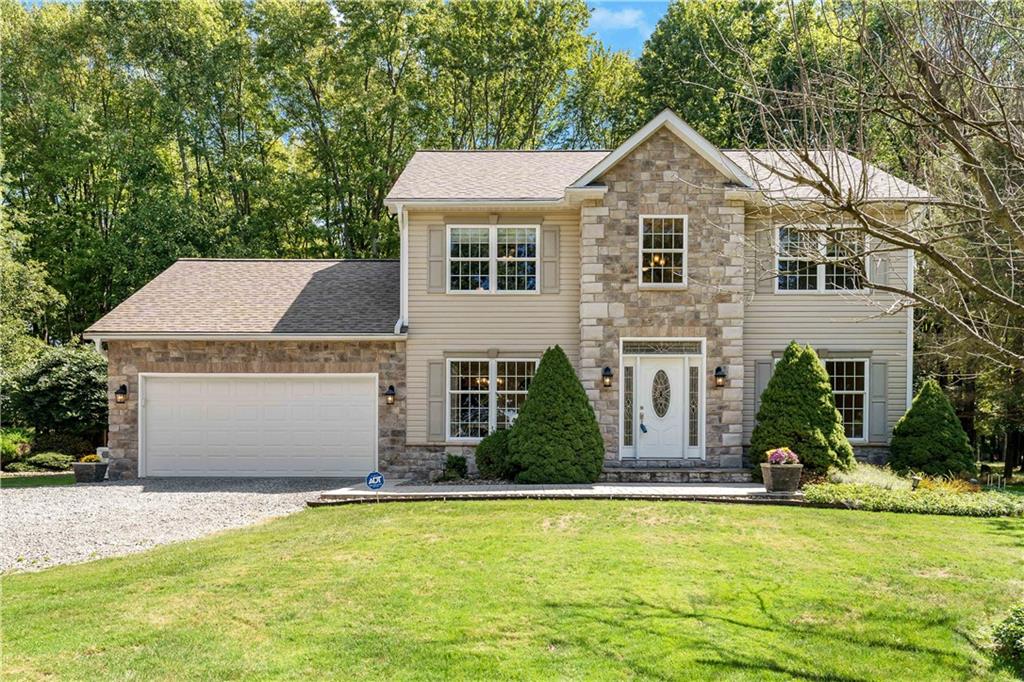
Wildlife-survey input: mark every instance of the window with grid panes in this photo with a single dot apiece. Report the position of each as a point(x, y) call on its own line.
point(663, 250)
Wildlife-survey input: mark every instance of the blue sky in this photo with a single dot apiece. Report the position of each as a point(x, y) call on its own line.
point(625, 25)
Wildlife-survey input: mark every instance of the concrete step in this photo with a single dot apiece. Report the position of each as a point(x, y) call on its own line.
point(659, 474)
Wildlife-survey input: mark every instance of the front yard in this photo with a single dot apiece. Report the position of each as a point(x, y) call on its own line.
point(534, 590)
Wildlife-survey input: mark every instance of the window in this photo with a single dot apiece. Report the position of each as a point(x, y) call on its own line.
point(663, 242)
point(849, 388)
point(489, 258)
point(807, 261)
point(484, 395)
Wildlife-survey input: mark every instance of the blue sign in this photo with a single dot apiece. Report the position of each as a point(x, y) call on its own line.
point(375, 480)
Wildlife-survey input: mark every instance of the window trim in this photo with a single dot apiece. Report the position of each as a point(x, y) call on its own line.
point(492, 393)
point(819, 268)
point(492, 260)
point(685, 251)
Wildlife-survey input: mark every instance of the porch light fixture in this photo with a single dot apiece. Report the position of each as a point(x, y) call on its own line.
point(606, 377)
point(720, 376)
point(389, 395)
point(121, 394)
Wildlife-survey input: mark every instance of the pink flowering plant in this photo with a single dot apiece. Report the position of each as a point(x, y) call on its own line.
point(782, 456)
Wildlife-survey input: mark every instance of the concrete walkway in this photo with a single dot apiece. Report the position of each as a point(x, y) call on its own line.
point(401, 491)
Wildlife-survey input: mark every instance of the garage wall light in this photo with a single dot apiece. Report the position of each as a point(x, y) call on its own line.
point(121, 394)
point(389, 395)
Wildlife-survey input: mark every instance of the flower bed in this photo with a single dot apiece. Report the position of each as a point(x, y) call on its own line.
point(922, 501)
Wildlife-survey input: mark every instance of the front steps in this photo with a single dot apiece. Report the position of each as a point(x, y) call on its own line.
point(669, 471)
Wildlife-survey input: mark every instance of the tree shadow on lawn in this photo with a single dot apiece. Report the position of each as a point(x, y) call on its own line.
point(1008, 529)
point(751, 646)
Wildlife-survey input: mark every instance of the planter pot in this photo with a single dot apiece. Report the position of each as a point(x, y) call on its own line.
point(781, 478)
point(89, 472)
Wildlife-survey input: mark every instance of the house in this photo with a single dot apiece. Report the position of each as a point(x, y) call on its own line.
point(663, 268)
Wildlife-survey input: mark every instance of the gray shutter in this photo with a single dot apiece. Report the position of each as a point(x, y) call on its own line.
point(550, 277)
point(881, 273)
point(436, 247)
point(435, 401)
point(762, 373)
point(764, 259)
point(878, 422)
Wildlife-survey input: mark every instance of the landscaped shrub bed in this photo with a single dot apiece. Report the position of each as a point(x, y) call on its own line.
point(921, 501)
point(1009, 638)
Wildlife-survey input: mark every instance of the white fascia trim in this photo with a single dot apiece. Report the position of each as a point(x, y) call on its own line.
point(403, 233)
point(132, 336)
point(695, 140)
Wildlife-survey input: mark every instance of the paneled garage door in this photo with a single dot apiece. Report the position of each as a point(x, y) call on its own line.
point(258, 425)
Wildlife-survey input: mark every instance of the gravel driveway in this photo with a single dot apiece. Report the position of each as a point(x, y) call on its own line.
point(46, 526)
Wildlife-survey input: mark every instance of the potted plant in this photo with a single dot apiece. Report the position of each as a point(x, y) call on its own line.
point(781, 473)
point(90, 469)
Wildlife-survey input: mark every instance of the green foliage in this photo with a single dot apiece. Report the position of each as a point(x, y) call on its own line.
point(492, 457)
point(455, 468)
point(929, 437)
point(54, 461)
point(63, 390)
point(1009, 638)
point(15, 446)
point(867, 474)
point(555, 438)
point(798, 411)
point(21, 468)
point(934, 501)
point(59, 441)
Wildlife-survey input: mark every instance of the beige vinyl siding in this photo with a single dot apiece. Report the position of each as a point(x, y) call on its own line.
point(520, 325)
point(838, 322)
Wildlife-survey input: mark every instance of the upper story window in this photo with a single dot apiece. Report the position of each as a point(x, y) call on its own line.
point(492, 258)
point(808, 261)
point(663, 244)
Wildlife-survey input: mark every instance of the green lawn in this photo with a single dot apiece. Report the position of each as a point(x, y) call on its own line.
point(534, 590)
point(36, 481)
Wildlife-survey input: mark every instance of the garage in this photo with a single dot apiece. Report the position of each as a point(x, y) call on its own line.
point(257, 424)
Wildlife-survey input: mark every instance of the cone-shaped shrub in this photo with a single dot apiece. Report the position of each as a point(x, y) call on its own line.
point(798, 411)
point(929, 437)
point(555, 438)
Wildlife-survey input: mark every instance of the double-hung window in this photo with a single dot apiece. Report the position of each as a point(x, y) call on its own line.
point(485, 395)
point(813, 262)
point(663, 244)
point(849, 389)
point(492, 258)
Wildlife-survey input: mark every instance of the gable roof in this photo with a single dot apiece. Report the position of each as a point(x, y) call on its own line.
point(316, 297)
point(866, 181)
point(491, 175)
point(668, 119)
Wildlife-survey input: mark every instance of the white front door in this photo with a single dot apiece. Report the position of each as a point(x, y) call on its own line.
point(661, 401)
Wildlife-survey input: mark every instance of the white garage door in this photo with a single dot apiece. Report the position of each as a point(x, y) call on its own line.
point(237, 425)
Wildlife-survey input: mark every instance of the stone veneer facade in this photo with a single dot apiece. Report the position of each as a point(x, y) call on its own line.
point(126, 359)
point(665, 176)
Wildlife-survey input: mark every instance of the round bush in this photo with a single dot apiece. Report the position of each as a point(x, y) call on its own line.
point(51, 460)
point(68, 443)
point(1009, 637)
point(555, 438)
point(929, 438)
point(64, 389)
point(492, 457)
point(798, 411)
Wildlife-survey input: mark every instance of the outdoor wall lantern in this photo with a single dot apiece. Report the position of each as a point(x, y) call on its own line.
point(389, 395)
point(121, 394)
point(720, 376)
point(606, 377)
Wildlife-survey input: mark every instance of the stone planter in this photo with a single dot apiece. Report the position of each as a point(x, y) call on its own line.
point(781, 478)
point(89, 472)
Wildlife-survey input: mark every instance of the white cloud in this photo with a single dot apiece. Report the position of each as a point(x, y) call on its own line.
point(617, 19)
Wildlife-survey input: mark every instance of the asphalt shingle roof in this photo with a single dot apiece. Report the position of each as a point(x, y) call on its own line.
point(196, 296)
point(492, 175)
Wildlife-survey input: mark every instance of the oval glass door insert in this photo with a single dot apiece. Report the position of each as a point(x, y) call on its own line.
point(661, 393)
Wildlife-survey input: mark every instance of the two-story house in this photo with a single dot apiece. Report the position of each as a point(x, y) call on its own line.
point(666, 269)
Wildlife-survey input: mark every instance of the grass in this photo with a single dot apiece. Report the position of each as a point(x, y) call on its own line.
point(36, 481)
point(534, 590)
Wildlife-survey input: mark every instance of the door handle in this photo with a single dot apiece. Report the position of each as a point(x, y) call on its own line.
point(643, 428)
